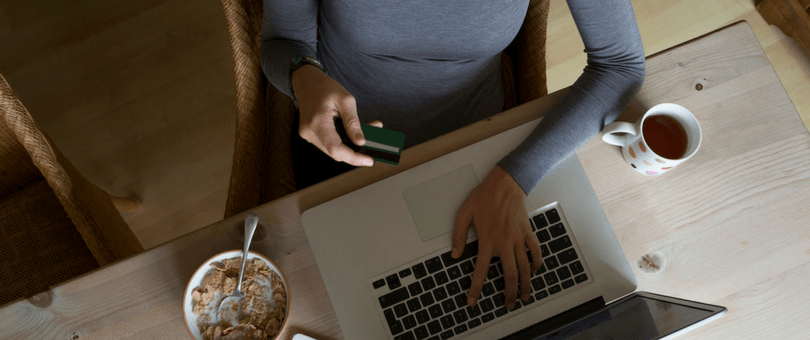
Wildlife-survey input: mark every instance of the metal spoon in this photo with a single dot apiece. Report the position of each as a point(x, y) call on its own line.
point(230, 307)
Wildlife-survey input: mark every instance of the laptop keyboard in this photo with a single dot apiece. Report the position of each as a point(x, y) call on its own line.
point(427, 299)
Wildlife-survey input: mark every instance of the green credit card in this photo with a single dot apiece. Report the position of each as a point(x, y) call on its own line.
point(381, 144)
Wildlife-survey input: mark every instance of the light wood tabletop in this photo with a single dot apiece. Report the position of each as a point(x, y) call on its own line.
point(729, 226)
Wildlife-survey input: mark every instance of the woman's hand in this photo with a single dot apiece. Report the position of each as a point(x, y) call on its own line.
point(496, 208)
point(320, 99)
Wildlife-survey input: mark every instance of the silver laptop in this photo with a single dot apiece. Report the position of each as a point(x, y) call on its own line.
point(384, 254)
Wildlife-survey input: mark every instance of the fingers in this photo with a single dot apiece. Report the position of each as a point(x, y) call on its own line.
point(524, 270)
point(478, 278)
point(347, 108)
point(510, 277)
point(463, 219)
point(534, 249)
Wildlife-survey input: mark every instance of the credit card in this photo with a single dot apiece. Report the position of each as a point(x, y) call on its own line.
point(381, 144)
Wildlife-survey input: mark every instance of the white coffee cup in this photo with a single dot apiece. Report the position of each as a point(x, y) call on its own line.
point(655, 143)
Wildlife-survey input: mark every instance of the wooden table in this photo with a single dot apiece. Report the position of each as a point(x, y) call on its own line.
point(731, 223)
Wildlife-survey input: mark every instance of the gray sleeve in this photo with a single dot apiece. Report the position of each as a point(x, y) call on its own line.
point(612, 77)
point(289, 30)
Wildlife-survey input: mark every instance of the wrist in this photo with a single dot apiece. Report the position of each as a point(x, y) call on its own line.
point(299, 66)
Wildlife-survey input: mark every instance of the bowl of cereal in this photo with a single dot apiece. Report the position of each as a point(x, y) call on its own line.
point(265, 303)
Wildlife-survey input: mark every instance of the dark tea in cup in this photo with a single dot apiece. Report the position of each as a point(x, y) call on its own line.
point(665, 136)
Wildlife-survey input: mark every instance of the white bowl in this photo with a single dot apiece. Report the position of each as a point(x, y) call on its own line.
point(197, 279)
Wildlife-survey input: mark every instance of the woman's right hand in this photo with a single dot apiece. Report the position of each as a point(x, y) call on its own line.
point(320, 99)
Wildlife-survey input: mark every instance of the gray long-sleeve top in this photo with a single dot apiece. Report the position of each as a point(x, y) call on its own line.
point(426, 68)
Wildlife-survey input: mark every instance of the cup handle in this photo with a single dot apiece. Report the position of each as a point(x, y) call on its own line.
point(619, 133)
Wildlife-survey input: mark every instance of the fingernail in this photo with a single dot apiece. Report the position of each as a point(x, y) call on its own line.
point(471, 301)
point(525, 297)
point(510, 306)
point(358, 136)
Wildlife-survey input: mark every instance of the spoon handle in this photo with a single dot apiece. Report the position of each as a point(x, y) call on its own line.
point(251, 221)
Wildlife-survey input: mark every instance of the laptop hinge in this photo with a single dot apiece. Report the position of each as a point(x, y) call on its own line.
point(558, 321)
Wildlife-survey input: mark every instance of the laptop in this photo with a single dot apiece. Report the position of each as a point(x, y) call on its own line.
point(383, 252)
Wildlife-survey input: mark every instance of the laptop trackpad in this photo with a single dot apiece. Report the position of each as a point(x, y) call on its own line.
point(434, 204)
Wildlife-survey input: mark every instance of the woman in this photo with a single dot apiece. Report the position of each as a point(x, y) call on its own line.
point(427, 68)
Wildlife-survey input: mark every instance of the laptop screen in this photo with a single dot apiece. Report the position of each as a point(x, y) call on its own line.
point(637, 318)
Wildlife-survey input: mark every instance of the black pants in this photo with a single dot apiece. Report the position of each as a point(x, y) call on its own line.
point(310, 164)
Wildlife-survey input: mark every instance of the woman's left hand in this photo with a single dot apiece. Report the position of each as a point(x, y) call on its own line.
point(496, 208)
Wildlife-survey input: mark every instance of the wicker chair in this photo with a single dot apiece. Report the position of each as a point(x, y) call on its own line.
point(54, 224)
point(262, 162)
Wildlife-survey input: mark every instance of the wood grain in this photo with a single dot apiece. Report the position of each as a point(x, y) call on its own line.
point(730, 221)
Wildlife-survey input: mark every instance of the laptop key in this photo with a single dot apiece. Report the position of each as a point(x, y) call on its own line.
point(447, 321)
point(394, 297)
point(567, 284)
point(500, 284)
point(440, 294)
point(389, 316)
point(379, 283)
point(405, 336)
point(563, 273)
point(400, 310)
point(486, 305)
point(453, 288)
point(470, 250)
point(422, 316)
point(540, 221)
point(393, 281)
point(409, 322)
point(567, 255)
point(551, 278)
point(488, 317)
point(435, 311)
point(474, 323)
point(448, 306)
point(530, 300)
point(427, 299)
point(414, 305)
point(553, 216)
point(582, 278)
point(544, 251)
point(541, 295)
point(461, 300)
point(421, 333)
point(467, 267)
point(474, 311)
point(433, 265)
point(576, 268)
point(538, 283)
point(543, 236)
point(559, 244)
point(419, 271)
point(454, 272)
point(488, 289)
point(465, 282)
point(441, 278)
point(434, 327)
point(415, 288)
point(428, 283)
point(396, 327)
point(501, 312)
point(404, 273)
point(460, 329)
point(461, 316)
point(447, 334)
point(551, 262)
point(554, 289)
point(556, 230)
point(499, 299)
